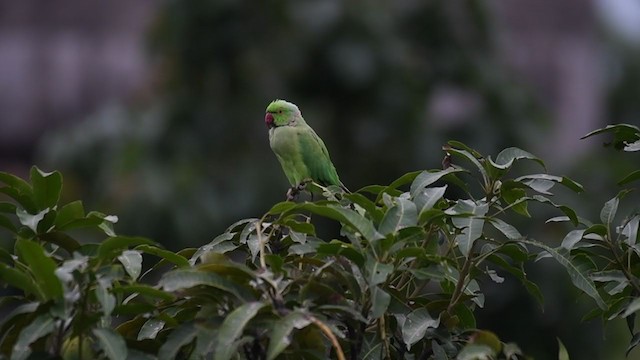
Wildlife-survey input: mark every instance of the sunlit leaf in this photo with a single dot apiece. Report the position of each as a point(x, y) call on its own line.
point(563, 180)
point(562, 351)
point(506, 157)
point(506, 229)
point(571, 239)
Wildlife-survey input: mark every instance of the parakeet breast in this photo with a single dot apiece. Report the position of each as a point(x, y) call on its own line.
point(284, 141)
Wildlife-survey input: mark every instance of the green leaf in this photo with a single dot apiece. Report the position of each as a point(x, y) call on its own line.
point(578, 277)
point(506, 229)
point(476, 352)
point(623, 134)
point(105, 298)
point(113, 345)
point(7, 224)
point(347, 217)
point(113, 246)
point(427, 178)
point(42, 267)
point(506, 157)
point(468, 216)
point(170, 256)
point(633, 176)
point(471, 157)
point(630, 230)
point(279, 338)
point(380, 301)
point(19, 280)
point(428, 198)
point(232, 328)
point(572, 238)
point(39, 327)
point(145, 290)
point(150, 329)
point(416, 325)
point(377, 272)
point(19, 190)
point(634, 146)
point(404, 179)
point(563, 180)
point(69, 212)
point(565, 209)
point(514, 194)
point(608, 212)
point(60, 239)
point(402, 215)
point(562, 351)
point(132, 262)
point(336, 247)
point(178, 338)
point(29, 220)
point(46, 187)
point(281, 207)
point(187, 278)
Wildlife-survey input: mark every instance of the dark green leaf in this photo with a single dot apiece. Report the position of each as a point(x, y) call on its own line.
point(42, 267)
point(46, 187)
point(377, 272)
point(336, 247)
point(416, 325)
point(556, 179)
point(19, 280)
point(279, 338)
point(565, 209)
point(471, 157)
point(71, 211)
point(41, 326)
point(150, 329)
point(145, 290)
point(403, 214)
point(184, 279)
point(7, 224)
point(506, 229)
point(580, 279)
point(427, 178)
point(346, 216)
point(468, 216)
point(380, 301)
point(571, 239)
point(170, 256)
point(113, 345)
point(633, 176)
point(179, 337)
point(113, 246)
point(61, 239)
point(232, 328)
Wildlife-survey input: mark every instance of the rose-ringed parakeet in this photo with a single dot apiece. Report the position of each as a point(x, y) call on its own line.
point(301, 152)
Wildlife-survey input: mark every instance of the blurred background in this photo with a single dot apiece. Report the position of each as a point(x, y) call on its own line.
point(153, 110)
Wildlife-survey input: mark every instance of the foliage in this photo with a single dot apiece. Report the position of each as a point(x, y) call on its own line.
point(402, 280)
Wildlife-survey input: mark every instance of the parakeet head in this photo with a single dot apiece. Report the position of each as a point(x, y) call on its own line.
point(281, 113)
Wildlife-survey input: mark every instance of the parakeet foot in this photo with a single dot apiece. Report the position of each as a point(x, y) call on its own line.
point(293, 192)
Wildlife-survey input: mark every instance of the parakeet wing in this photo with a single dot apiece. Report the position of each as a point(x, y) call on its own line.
point(316, 158)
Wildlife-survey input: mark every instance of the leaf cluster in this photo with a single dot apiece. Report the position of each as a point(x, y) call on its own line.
point(401, 279)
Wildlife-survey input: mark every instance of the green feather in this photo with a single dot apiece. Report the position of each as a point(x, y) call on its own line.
point(301, 152)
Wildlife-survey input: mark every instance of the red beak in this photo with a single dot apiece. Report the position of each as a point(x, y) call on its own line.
point(268, 120)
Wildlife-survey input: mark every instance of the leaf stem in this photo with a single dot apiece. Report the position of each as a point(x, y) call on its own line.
point(329, 334)
point(459, 289)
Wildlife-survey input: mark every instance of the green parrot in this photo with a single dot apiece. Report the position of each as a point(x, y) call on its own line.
point(301, 152)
